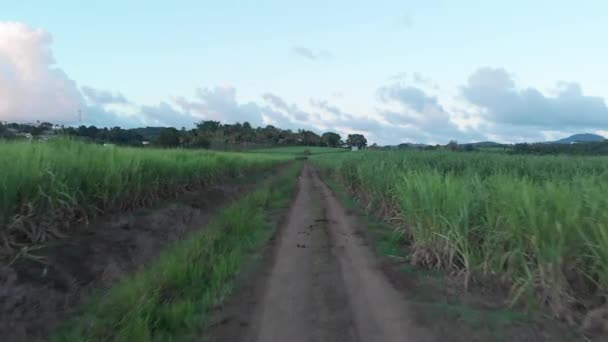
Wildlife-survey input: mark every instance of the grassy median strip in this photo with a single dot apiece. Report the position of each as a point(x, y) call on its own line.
point(170, 299)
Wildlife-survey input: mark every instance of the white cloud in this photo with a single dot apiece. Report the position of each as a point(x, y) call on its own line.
point(420, 116)
point(98, 96)
point(409, 108)
point(31, 86)
point(220, 104)
point(495, 93)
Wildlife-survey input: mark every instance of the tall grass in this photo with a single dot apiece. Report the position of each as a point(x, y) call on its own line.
point(46, 186)
point(295, 150)
point(538, 224)
point(172, 298)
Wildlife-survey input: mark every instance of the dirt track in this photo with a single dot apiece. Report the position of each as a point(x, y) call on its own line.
point(321, 282)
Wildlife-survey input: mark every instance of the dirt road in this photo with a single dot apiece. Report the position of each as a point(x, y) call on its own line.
point(320, 282)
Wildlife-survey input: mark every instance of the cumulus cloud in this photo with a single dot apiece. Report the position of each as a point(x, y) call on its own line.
point(410, 97)
point(417, 107)
point(343, 120)
point(494, 92)
point(419, 116)
point(98, 115)
point(409, 108)
point(220, 104)
point(290, 111)
point(103, 97)
point(165, 114)
point(31, 86)
point(310, 54)
point(276, 101)
point(372, 126)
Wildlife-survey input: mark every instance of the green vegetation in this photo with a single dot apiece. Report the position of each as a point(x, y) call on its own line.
point(428, 290)
point(357, 140)
point(46, 186)
point(584, 148)
point(207, 134)
point(171, 298)
point(538, 224)
point(296, 150)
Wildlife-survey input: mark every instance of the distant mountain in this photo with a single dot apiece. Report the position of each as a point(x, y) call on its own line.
point(584, 137)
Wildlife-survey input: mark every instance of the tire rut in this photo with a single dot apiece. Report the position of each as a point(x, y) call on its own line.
point(321, 282)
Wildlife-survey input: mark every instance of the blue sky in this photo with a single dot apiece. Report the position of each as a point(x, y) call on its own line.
point(396, 70)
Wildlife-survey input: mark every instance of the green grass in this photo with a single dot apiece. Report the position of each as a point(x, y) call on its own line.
point(171, 298)
point(42, 184)
point(429, 295)
point(296, 150)
point(539, 224)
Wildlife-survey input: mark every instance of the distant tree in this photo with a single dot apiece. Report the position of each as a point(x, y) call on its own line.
point(46, 126)
point(453, 145)
point(403, 146)
point(331, 139)
point(5, 133)
point(82, 131)
point(309, 138)
point(356, 140)
point(208, 127)
point(272, 134)
point(36, 131)
point(92, 132)
point(199, 141)
point(169, 137)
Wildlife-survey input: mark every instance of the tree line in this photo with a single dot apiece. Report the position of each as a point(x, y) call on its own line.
point(582, 148)
point(206, 134)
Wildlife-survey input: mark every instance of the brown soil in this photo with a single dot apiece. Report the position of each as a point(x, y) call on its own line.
point(39, 291)
point(320, 279)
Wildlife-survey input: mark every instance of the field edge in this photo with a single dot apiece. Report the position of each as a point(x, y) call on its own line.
point(435, 293)
point(173, 297)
